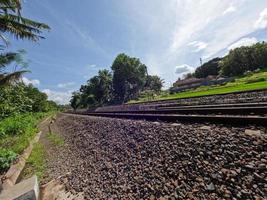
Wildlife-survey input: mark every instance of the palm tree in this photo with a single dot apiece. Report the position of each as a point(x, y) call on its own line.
point(6, 59)
point(13, 23)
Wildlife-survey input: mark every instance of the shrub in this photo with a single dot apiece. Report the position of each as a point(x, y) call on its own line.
point(255, 80)
point(6, 158)
point(16, 125)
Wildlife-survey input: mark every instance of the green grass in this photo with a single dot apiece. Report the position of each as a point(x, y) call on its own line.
point(252, 81)
point(36, 162)
point(15, 134)
point(55, 139)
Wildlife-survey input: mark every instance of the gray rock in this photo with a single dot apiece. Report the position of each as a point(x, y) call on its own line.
point(210, 187)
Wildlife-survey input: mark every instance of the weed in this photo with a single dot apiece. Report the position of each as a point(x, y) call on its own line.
point(36, 161)
point(55, 139)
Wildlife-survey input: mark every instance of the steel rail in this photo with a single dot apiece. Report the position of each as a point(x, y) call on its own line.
point(222, 119)
point(173, 106)
point(256, 110)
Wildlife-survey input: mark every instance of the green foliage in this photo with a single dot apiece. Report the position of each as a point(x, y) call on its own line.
point(19, 99)
point(209, 68)
point(154, 83)
point(243, 59)
point(96, 92)
point(55, 139)
point(36, 162)
point(252, 81)
point(75, 100)
point(99, 87)
point(6, 158)
point(7, 78)
point(13, 23)
point(129, 78)
point(14, 100)
point(39, 99)
point(17, 131)
point(255, 80)
point(16, 125)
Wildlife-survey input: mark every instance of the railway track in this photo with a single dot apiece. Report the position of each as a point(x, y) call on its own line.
point(240, 113)
point(224, 119)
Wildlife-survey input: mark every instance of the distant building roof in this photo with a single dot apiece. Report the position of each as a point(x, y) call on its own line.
point(188, 81)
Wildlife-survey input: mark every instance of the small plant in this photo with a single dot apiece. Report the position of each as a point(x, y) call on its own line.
point(36, 161)
point(6, 158)
point(56, 139)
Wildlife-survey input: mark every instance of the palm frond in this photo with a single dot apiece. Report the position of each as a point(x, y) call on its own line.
point(22, 28)
point(7, 58)
point(9, 78)
point(13, 23)
point(13, 5)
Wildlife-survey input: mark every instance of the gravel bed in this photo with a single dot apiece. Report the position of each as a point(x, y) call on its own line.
point(128, 159)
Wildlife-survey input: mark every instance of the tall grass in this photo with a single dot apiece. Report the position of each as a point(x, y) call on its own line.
point(15, 134)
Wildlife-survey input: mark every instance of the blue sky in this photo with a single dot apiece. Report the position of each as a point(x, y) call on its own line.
point(168, 36)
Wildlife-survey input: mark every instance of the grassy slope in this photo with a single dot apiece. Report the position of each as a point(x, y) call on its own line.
point(15, 134)
point(249, 82)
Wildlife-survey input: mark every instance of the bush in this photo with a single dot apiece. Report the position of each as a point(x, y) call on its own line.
point(255, 80)
point(17, 131)
point(17, 125)
point(6, 158)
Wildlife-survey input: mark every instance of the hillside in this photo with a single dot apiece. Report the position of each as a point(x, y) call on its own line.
point(251, 81)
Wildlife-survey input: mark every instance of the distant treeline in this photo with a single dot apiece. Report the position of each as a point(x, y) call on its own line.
point(20, 99)
point(126, 80)
point(236, 63)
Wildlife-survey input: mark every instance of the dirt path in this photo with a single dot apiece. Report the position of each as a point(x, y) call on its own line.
point(58, 164)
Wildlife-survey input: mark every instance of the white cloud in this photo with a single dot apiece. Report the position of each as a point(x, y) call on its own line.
point(190, 21)
point(199, 45)
point(34, 82)
point(65, 85)
point(91, 65)
point(261, 23)
point(183, 69)
point(58, 97)
point(243, 42)
point(230, 9)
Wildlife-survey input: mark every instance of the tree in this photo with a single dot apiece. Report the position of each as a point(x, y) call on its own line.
point(13, 23)
point(20, 98)
point(129, 77)
point(75, 100)
point(103, 95)
point(153, 83)
point(243, 59)
point(188, 75)
point(7, 59)
point(100, 87)
point(209, 68)
point(39, 99)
